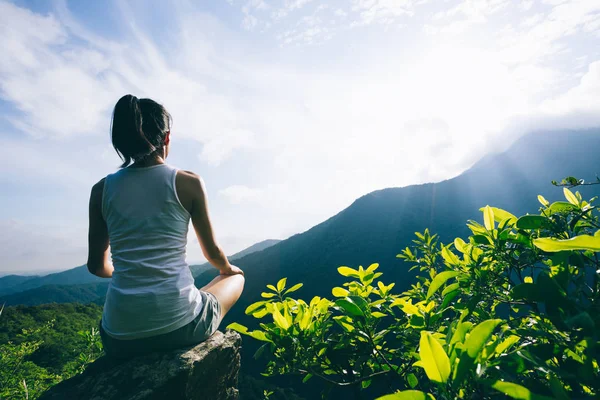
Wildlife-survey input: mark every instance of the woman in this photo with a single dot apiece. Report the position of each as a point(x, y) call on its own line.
point(143, 211)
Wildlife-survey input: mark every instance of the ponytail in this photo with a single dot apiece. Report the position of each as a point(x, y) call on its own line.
point(138, 128)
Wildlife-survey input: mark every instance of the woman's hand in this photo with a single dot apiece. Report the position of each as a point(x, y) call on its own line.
point(232, 270)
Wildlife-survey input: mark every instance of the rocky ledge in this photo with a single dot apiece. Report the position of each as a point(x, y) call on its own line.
point(208, 371)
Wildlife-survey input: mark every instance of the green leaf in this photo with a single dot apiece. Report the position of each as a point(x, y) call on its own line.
point(479, 336)
point(350, 307)
point(481, 239)
point(258, 335)
point(378, 314)
point(461, 332)
point(449, 256)
point(506, 344)
point(406, 306)
point(450, 288)
point(372, 267)
point(533, 222)
point(280, 320)
point(475, 227)
point(339, 292)
point(517, 391)
point(412, 380)
point(258, 353)
point(560, 207)
point(439, 280)
point(260, 313)
point(460, 245)
point(488, 218)
point(237, 327)
point(252, 308)
point(434, 359)
point(408, 395)
point(281, 284)
point(571, 198)
point(306, 378)
point(501, 215)
point(346, 271)
point(293, 288)
point(543, 201)
point(345, 322)
point(273, 288)
point(448, 298)
point(268, 295)
point(360, 302)
point(581, 242)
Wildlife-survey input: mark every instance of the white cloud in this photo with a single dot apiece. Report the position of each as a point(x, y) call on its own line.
point(382, 11)
point(288, 7)
point(42, 83)
point(249, 22)
point(545, 37)
point(222, 146)
point(582, 98)
point(237, 194)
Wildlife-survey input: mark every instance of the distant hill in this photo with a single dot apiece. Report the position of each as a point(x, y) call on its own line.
point(77, 284)
point(260, 246)
point(16, 283)
point(80, 293)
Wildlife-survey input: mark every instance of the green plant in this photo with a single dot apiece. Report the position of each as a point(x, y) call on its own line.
point(19, 377)
point(91, 353)
point(512, 310)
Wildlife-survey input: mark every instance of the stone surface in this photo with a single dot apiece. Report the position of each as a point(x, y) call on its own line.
point(207, 371)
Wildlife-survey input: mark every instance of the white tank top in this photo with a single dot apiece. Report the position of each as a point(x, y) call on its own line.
point(152, 288)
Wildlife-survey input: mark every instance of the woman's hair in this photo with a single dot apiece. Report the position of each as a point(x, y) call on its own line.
point(138, 128)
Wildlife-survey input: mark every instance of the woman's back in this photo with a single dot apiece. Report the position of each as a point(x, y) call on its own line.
point(152, 289)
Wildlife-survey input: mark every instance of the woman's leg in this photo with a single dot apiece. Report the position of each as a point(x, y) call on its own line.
point(227, 289)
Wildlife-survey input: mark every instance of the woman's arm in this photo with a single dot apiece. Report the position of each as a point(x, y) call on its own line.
point(203, 227)
point(98, 245)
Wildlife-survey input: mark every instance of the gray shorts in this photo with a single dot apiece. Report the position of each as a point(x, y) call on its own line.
point(197, 331)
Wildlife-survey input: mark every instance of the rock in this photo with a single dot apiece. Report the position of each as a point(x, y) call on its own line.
point(207, 371)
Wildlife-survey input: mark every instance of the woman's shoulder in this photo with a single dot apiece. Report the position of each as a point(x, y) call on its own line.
point(97, 191)
point(98, 186)
point(188, 179)
point(189, 187)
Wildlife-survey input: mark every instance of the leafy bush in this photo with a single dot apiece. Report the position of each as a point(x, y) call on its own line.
point(21, 378)
point(513, 310)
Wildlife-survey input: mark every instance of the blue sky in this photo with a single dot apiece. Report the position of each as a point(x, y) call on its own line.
point(288, 109)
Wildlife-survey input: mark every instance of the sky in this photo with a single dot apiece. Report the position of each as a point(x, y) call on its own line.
point(288, 109)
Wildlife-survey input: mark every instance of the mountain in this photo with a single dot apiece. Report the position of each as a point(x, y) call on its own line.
point(260, 246)
point(77, 284)
point(255, 248)
point(16, 283)
point(380, 224)
point(79, 293)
